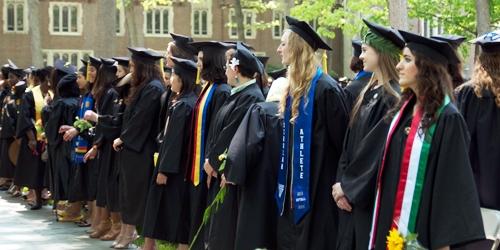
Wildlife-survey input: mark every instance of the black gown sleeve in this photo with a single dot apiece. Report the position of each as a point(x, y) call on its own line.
point(137, 129)
point(26, 116)
point(246, 146)
point(175, 139)
point(455, 216)
point(222, 138)
point(107, 107)
point(337, 116)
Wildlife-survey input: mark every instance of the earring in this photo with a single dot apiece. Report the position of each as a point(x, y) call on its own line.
point(237, 79)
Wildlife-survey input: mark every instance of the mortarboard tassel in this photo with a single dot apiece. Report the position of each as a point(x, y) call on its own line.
point(161, 68)
point(87, 77)
point(198, 76)
point(325, 62)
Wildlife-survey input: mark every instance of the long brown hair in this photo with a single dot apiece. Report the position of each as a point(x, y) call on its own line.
point(433, 83)
point(487, 75)
point(300, 72)
point(106, 77)
point(387, 67)
point(142, 75)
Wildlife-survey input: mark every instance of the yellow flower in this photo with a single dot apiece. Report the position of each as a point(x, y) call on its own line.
point(394, 240)
point(222, 157)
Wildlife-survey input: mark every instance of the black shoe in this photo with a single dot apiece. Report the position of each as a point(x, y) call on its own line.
point(36, 206)
point(4, 188)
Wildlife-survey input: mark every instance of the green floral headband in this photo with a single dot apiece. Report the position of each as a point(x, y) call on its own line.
point(382, 45)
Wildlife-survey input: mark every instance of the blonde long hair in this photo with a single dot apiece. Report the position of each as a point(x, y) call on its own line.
point(387, 68)
point(487, 75)
point(300, 72)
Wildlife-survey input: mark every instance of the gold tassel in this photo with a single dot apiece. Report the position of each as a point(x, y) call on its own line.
point(325, 62)
point(198, 76)
point(161, 68)
point(87, 77)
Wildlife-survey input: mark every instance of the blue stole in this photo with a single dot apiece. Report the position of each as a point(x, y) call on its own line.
point(81, 145)
point(301, 154)
point(362, 74)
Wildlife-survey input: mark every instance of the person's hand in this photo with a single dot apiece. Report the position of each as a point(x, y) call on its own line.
point(91, 154)
point(90, 115)
point(210, 172)
point(70, 134)
point(161, 179)
point(339, 197)
point(117, 144)
point(64, 128)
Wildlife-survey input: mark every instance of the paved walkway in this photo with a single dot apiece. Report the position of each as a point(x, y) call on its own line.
point(24, 229)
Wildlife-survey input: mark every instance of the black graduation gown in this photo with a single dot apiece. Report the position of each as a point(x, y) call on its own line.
point(482, 117)
point(355, 170)
point(354, 88)
point(110, 126)
point(105, 158)
point(165, 217)
point(7, 133)
point(449, 208)
point(254, 154)
point(318, 228)
point(197, 196)
point(63, 111)
point(30, 170)
point(138, 134)
point(222, 225)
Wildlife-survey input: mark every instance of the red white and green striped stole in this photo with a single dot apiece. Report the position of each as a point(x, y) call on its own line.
point(412, 174)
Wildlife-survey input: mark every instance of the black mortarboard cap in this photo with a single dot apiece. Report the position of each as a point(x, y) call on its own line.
point(489, 42)
point(184, 67)
point(94, 61)
point(182, 42)
point(85, 63)
point(109, 65)
point(67, 86)
point(145, 55)
point(247, 59)
point(356, 45)
point(248, 46)
point(388, 33)
point(122, 60)
point(304, 30)
point(263, 59)
point(454, 40)
point(438, 51)
point(212, 47)
point(65, 68)
point(275, 74)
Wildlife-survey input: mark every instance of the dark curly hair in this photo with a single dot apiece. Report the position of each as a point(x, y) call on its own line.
point(433, 82)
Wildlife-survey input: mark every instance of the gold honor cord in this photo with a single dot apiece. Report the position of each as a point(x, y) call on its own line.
point(325, 62)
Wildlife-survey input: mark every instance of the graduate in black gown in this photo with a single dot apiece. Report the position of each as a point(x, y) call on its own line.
point(7, 122)
point(425, 160)
point(165, 214)
point(315, 120)
point(102, 146)
point(455, 69)
point(479, 103)
point(30, 171)
point(63, 111)
point(253, 155)
point(137, 142)
point(380, 53)
point(354, 88)
point(211, 62)
point(243, 73)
